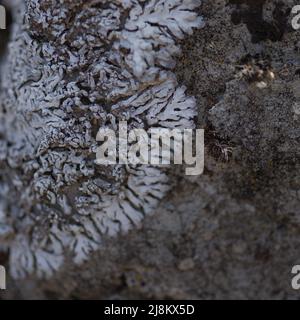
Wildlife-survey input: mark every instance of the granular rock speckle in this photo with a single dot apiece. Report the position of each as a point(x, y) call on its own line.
point(240, 220)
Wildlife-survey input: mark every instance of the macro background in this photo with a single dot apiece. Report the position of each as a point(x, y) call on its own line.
point(233, 232)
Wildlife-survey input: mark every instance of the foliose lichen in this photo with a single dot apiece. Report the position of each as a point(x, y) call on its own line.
point(71, 68)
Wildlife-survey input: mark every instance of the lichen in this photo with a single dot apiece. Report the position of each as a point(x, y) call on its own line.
point(72, 68)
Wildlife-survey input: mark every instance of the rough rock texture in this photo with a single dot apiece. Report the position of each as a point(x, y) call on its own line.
point(234, 231)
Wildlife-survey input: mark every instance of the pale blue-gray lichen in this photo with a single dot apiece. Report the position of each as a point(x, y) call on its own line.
point(73, 67)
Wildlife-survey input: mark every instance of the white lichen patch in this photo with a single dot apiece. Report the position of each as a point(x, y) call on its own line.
point(73, 67)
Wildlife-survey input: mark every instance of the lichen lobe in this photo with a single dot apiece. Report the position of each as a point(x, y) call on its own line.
point(73, 68)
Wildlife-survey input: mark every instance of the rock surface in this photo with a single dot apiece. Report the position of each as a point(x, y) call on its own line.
point(232, 233)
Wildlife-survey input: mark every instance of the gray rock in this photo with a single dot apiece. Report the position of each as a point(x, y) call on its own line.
point(239, 221)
